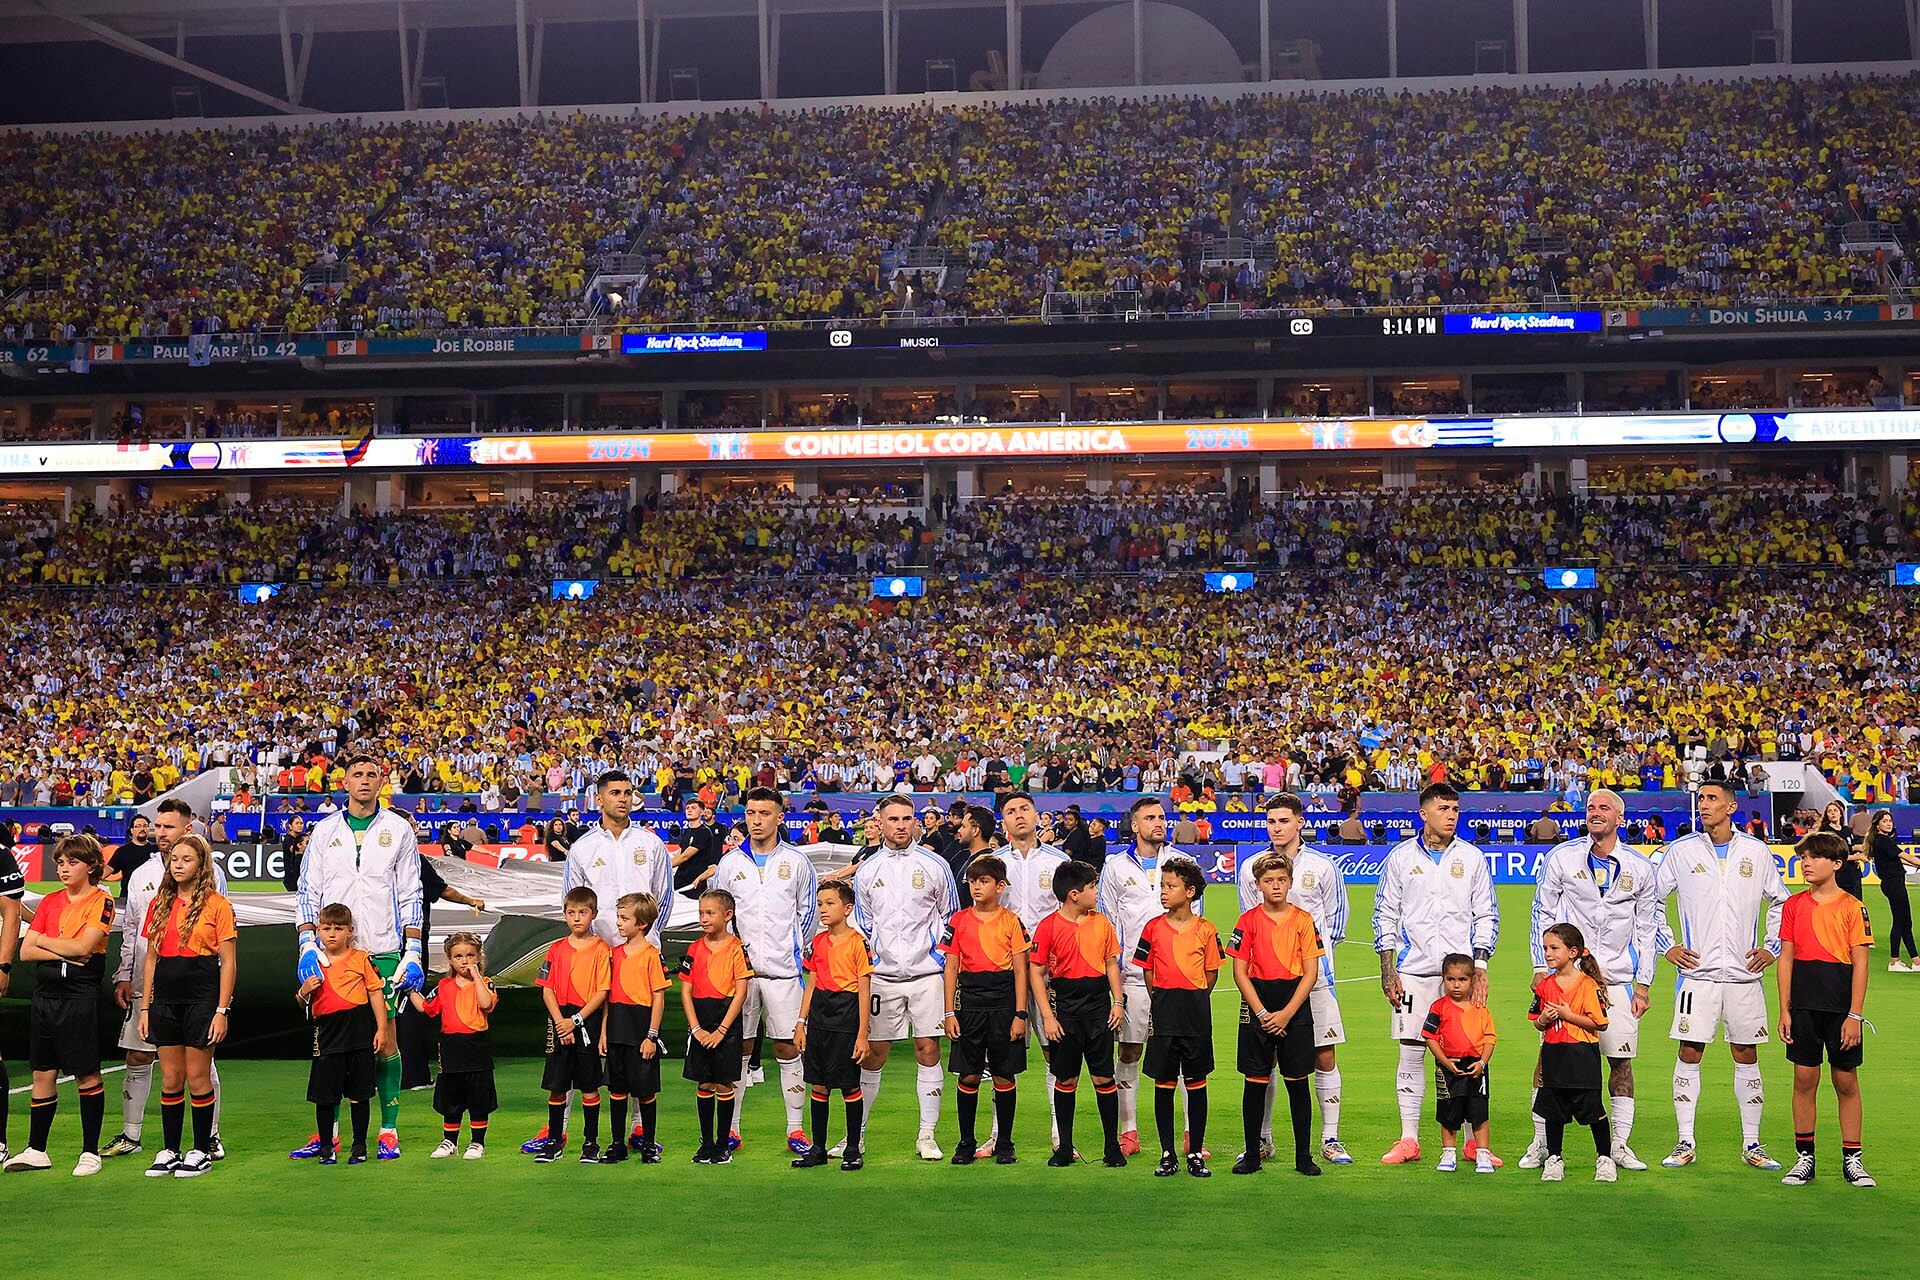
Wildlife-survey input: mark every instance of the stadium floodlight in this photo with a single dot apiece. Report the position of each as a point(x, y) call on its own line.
point(1239, 580)
point(899, 587)
point(1564, 578)
point(1906, 575)
point(258, 592)
point(575, 588)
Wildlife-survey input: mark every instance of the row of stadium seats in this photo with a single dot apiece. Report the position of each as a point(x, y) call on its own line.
point(1710, 192)
point(770, 536)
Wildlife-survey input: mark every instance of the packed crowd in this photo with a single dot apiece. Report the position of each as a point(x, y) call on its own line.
point(1421, 674)
point(665, 541)
point(295, 541)
point(1689, 192)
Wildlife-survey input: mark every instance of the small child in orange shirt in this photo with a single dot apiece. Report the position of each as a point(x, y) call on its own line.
point(1460, 1034)
point(1570, 1008)
point(349, 1012)
point(461, 1001)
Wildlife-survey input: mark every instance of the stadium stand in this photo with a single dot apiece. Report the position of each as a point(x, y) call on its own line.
point(1686, 192)
point(1438, 667)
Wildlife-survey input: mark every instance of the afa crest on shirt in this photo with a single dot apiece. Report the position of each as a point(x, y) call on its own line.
point(786, 871)
point(1746, 867)
point(919, 879)
point(1306, 881)
point(386, 839)
point(1457, 870)
point(1626, 883)
point(639, 857)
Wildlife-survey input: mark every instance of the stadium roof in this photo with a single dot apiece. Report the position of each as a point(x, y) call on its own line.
point(158, 30)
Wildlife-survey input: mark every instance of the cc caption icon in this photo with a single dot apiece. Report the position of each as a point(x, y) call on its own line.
point(1302, 326)
point(839, 338)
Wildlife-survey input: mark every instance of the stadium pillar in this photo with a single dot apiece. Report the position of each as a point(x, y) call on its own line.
point(520, 48)
point(1520, 16)
point(1139, 42)
point(1783, 21)
point(806, 482)
point(1016, 79)
point(1266, 41)
point(1577, 475)
point(646, 67)
point(1896, 473)
point(766, 53)
point(1650, 32)
point(286, 57)
point(1099, 475)
point(406, 68)
point(1393, 39)
point(105, 491)
point(1396, 473)
point(889, 65)
point(672, 482)
point(1269, 481)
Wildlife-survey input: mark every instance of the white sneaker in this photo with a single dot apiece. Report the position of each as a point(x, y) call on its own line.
point(757, 1075)
point(87, 1165)
point(164, 1163)
point(1624, 1157)
point(29, 1161)
point(3, 1155)
point(1536, 1155)
point(1897, 967)
point(1802, 1172)
point(1449, 1160)
point(1553, 1169)
point(1681, 1156)
point(1604, 1170)
point(1266, 1146)
point(839, 1149)
point(927, 1147)
point(474, 1151)
point(1483, 1161)
point(445, 1149)
point(193, 1164)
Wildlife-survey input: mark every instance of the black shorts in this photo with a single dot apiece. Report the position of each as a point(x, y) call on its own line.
point(1082, 1039)
point(471, 1092)
point(1292, 1053)
point(721, 1064)
point(1569, 1106)
point(1171, 1057)
point(1459, 1101)
point(341, 1075)
point(1816, 1035)
point(828, 1061)
point(174, 1023)
point(572, 1066)
point(63, 1034)
point(987, 1044)
point(631, 1074)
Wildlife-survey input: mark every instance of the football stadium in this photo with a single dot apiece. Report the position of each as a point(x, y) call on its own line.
point(971, 633)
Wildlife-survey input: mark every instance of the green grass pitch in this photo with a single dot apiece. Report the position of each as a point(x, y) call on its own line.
point(264, 1214)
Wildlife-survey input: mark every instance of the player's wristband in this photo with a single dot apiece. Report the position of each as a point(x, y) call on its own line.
point(1856, 1017)
point(799, 1022)
point(1020, 1013)
point(950, 1014)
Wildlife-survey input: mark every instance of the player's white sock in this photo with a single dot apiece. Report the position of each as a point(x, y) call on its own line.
point(133, 1100)
point(1410, 1086)
point(1266, 1125)
point(1751, 1094)
point(213, 1071)
point(1053, 1123)
point(740, 1098)
point(793, 1090)
point(1126, 1078)
point(1622, 1121)
point(1327, 1085)
point(929, 1080)
point(1539, 1125)
point(1686, 1097)
point(573, 1101)
point(869, 1090)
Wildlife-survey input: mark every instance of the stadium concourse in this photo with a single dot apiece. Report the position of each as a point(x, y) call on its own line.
point(1069, 635)
point(1711, 192)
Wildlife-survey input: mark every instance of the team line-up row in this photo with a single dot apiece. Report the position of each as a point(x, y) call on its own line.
point(1109, 969)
